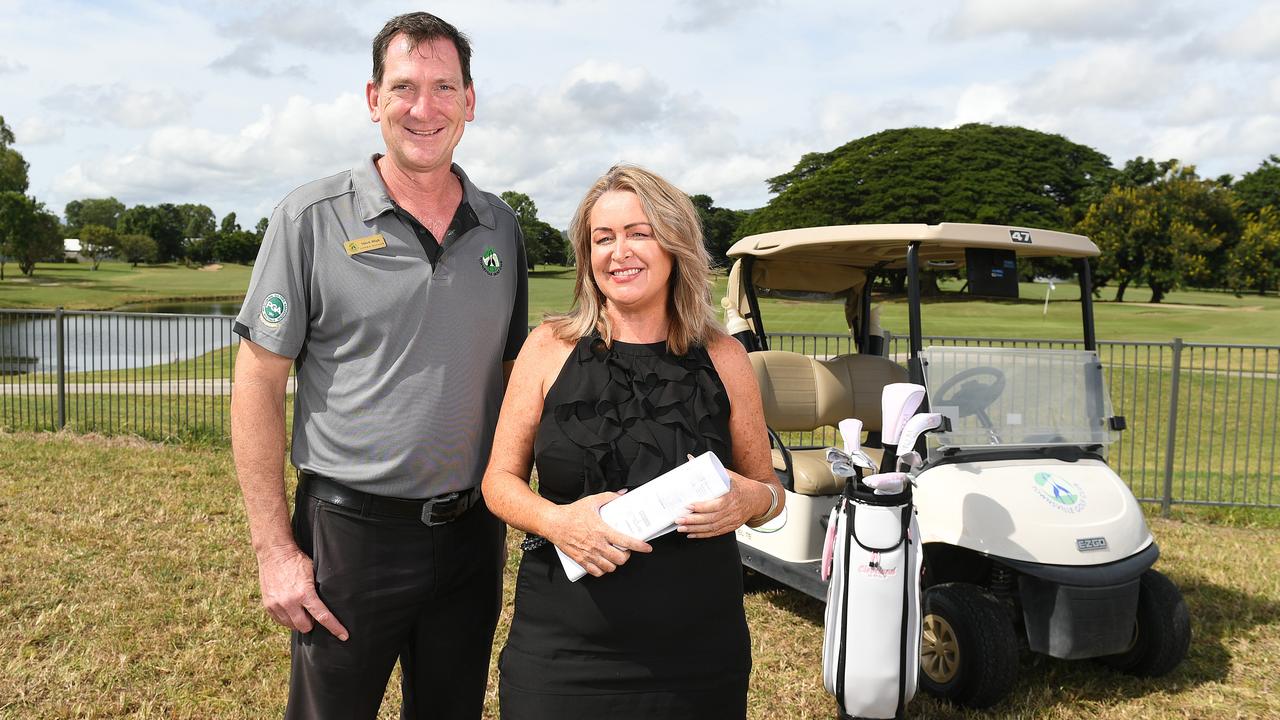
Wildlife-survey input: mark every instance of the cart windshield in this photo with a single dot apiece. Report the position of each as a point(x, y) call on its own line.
point(1018, 397)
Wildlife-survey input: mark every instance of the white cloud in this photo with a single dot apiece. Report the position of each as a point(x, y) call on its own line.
point(37, 131)
point(314, 26)
point(1256, 36)
point(119, 104)
point(1069, 20)
point(1109, 76)
point(8, 66)
point(281, 149)
point(699, 15)
point(251, 57)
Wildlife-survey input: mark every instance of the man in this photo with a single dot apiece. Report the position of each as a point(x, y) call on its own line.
point(398, 292)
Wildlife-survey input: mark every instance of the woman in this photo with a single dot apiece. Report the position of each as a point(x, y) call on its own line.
point(628, 384)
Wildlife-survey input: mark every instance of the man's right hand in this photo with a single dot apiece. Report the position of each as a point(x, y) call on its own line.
point(287, 578)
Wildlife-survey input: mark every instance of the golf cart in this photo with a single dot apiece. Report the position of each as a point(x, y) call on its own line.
point(1030, 540)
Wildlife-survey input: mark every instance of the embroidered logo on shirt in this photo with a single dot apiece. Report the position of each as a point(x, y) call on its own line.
point(274, 309)
point(490, 261)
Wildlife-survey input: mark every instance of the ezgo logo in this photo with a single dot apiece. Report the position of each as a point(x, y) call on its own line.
point(1060, 492)
point(274, 309)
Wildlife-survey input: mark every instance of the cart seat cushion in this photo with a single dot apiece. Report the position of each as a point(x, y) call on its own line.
point(801, 393)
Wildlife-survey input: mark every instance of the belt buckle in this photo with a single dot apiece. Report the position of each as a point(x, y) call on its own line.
point(429, 507)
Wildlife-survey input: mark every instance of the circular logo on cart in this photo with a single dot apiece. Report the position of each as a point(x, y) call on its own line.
point(274, 309)
point(490, 261)
point(1060, 492)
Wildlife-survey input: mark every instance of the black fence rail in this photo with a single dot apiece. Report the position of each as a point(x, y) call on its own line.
point(155, 375)
point(1203, 419)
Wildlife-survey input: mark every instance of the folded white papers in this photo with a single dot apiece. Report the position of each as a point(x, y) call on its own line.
point(651, 509)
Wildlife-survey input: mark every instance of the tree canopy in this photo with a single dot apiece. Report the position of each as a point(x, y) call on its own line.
point(719, 226)
point(13, 168)
point(973, 173)
point(1165, 232)
point(1260, 188)
point(542, 242)
point(28, 232)
point(93, 211)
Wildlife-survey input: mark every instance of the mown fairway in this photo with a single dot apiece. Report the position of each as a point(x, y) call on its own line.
point(128, 589)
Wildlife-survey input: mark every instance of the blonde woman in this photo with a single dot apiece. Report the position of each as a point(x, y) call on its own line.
point(636, 377)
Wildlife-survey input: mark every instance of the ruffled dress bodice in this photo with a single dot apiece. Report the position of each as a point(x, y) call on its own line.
point(619, 416)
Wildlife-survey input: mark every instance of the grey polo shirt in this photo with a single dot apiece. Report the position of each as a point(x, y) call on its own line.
point(398, 358)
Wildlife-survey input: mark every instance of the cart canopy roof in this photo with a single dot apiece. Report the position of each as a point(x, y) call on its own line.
point(885, 246)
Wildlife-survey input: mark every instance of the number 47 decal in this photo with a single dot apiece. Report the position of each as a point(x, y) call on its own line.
point(1020, 236)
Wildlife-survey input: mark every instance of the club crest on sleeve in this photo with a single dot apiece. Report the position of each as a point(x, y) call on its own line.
point(274, 309)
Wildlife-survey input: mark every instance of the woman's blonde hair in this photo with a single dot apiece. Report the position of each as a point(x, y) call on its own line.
point(692, 317)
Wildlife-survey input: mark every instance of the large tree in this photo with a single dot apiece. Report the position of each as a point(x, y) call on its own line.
point(93, 211)
point(1254, 263)
point(28, 232)
point(13, 168)
point(1167, 233)
point(137, 249)
point(97, 242)
point(198, 221)
point(973, 173)
point(162, 223)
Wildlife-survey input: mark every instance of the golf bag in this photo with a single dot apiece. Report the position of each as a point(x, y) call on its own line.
point(871, 642)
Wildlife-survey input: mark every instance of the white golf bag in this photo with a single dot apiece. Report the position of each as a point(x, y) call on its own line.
point(871, 644)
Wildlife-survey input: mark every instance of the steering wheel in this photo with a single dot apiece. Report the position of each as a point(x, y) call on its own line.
point(972, 391)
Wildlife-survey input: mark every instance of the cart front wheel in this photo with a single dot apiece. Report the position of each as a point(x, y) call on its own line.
point(1162, 632)
point(968, 649)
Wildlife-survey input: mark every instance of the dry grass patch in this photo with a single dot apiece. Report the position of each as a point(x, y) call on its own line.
point(128, 590)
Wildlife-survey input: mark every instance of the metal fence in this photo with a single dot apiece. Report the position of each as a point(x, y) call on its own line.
point(1203, 419)
point(156, 375)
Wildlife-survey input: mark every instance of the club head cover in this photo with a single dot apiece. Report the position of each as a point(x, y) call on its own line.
point(914, 428)
point(851, 433)
point(898, 403)
point(890, 483)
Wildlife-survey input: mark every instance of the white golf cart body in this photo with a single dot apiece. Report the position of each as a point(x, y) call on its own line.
point(1014, 500)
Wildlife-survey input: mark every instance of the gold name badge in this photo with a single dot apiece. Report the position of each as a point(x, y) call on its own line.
point(365, 244)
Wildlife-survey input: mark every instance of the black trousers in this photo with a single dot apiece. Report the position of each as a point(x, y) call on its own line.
point(428, 596)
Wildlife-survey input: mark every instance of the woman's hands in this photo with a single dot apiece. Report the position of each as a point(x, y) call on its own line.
point(579, 532)
point(747, 499)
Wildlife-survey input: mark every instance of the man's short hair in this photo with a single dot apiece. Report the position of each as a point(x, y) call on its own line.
point(419, 27)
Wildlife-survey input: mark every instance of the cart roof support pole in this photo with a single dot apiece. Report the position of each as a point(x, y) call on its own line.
point(1086, 304)
point(914, 369)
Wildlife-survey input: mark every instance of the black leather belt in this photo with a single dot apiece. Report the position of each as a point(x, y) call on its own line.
point(431, 511)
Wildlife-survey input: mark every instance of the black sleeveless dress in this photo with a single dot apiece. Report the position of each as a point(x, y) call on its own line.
point(663, 636)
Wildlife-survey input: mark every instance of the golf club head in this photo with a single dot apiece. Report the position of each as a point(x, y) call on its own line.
point(890, 483)
point(898, 403)
point(841, 464)
point(914, 428)
point(851, 433)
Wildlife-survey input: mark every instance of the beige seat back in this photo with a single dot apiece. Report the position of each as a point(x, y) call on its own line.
point(801, 393)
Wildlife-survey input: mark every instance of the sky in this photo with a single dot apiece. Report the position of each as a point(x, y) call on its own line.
point(234, 104)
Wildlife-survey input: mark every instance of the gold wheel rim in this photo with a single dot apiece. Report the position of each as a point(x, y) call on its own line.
point(939, 651)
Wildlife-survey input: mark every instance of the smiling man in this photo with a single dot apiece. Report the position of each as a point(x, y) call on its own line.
point(397, 291)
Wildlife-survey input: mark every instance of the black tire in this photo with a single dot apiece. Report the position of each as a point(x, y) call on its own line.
point(1162, 632)
point(969, 650)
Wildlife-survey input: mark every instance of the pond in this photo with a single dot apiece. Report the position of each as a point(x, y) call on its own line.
point(103, 341)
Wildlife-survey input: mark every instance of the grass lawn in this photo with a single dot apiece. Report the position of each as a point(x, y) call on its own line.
point(77, 286)
point(128, 588)
point(1195, 316)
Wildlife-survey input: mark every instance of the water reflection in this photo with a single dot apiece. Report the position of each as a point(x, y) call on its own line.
point(101, 341)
